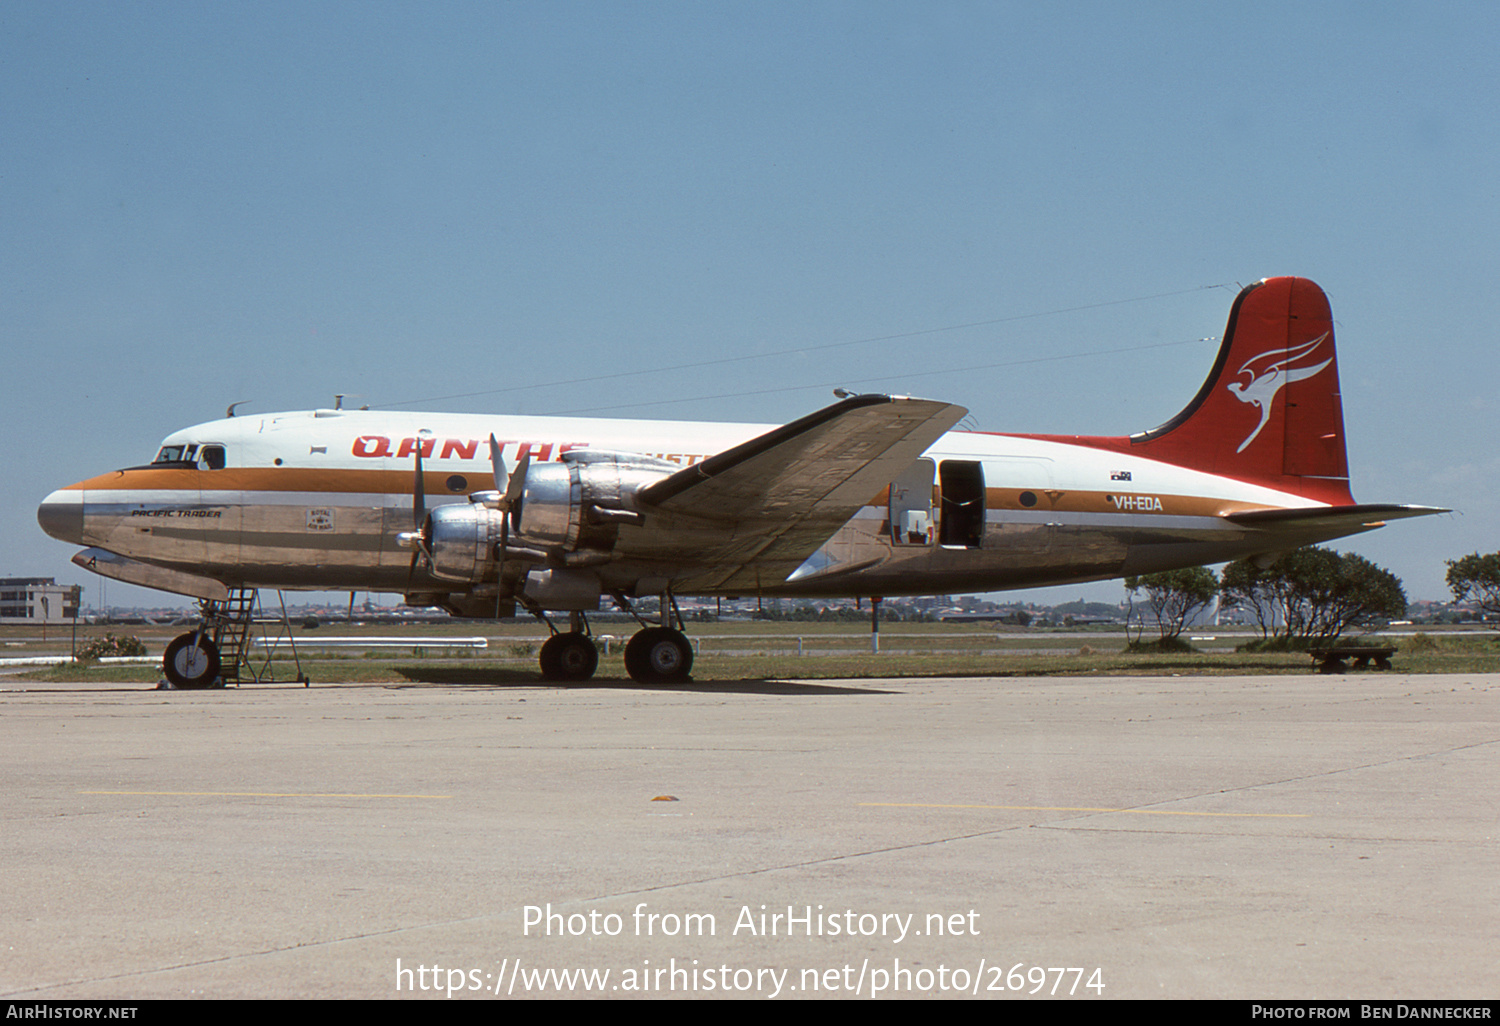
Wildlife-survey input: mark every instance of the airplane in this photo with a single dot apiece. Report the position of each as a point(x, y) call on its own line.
point(873, 496)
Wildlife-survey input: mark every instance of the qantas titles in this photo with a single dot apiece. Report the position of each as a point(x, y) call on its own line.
point(379, 446)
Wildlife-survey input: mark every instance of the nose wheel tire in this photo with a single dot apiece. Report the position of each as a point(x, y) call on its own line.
point(659, 655)
point(570, 656)
point(191, 662)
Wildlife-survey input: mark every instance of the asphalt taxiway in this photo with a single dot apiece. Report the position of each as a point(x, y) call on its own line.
point(1228, 837)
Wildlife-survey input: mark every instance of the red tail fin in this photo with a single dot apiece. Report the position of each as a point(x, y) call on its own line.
point(1270, 411)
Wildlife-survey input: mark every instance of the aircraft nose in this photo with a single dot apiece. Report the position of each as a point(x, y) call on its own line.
point(61, 515)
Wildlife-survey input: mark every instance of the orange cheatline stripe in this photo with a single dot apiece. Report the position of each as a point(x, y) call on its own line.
point(273, 479)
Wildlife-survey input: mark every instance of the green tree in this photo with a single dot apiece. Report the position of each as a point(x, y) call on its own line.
point(1176, 596)
point(1478, 577)
point(1251, 589)
point(1313, 593)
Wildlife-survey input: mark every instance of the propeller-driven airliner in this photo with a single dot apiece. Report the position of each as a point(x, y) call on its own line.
point(873, 496)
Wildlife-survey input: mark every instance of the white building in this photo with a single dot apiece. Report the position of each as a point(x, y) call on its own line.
point(37, 600)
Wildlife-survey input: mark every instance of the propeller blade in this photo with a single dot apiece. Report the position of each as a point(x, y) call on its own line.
point(498, 464)
point(418, 495)
point(504, 541)
point(517, 483)
point(507, 487)
point(416, 538)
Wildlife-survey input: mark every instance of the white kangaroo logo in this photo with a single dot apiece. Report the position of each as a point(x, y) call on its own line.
point(1268, 379)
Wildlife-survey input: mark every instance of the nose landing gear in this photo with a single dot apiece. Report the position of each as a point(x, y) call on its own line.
point(216, 653)
point(192, 662)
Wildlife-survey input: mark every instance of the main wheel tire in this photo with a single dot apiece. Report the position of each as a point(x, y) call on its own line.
point(191, 662)
point(659, 655)
point(570, 656)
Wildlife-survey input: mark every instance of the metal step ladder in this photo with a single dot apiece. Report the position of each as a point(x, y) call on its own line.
point(230, 623)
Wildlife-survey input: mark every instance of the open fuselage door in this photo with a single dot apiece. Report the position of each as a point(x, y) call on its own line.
point(962, 522)
point(959, 522)
point(910, 507)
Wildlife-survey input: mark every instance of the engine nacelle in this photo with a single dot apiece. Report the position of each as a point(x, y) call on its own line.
point(569, 513)
point(550, 510)
point(462, 541)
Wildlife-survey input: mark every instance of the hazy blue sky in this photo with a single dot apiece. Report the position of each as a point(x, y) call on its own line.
point(209, 202)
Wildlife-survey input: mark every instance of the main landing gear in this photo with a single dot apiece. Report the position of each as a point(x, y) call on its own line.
point(658, 655)
point(569, 656)
point(654, 654)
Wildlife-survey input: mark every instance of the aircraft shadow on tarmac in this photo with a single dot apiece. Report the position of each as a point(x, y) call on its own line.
point(447, 677)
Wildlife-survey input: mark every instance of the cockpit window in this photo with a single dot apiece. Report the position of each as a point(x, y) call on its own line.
point(205, 457)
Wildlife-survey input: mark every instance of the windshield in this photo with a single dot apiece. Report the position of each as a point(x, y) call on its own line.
point(205, 457)
point(176, 454)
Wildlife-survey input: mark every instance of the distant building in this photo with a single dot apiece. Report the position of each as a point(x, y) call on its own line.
point(37, 600)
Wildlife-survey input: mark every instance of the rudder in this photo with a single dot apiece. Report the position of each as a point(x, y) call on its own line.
point(1271, 410)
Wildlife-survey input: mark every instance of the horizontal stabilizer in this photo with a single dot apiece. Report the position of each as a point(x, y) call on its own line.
point(1356, 517)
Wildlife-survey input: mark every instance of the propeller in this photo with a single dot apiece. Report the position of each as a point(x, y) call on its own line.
point(506, 498)
point(415, 539)
point(506, 494)
point(508, 490)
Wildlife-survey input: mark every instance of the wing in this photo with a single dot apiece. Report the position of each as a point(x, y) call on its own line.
point(756, 511)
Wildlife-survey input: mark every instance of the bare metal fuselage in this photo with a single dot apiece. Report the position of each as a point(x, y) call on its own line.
point(316, 500)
